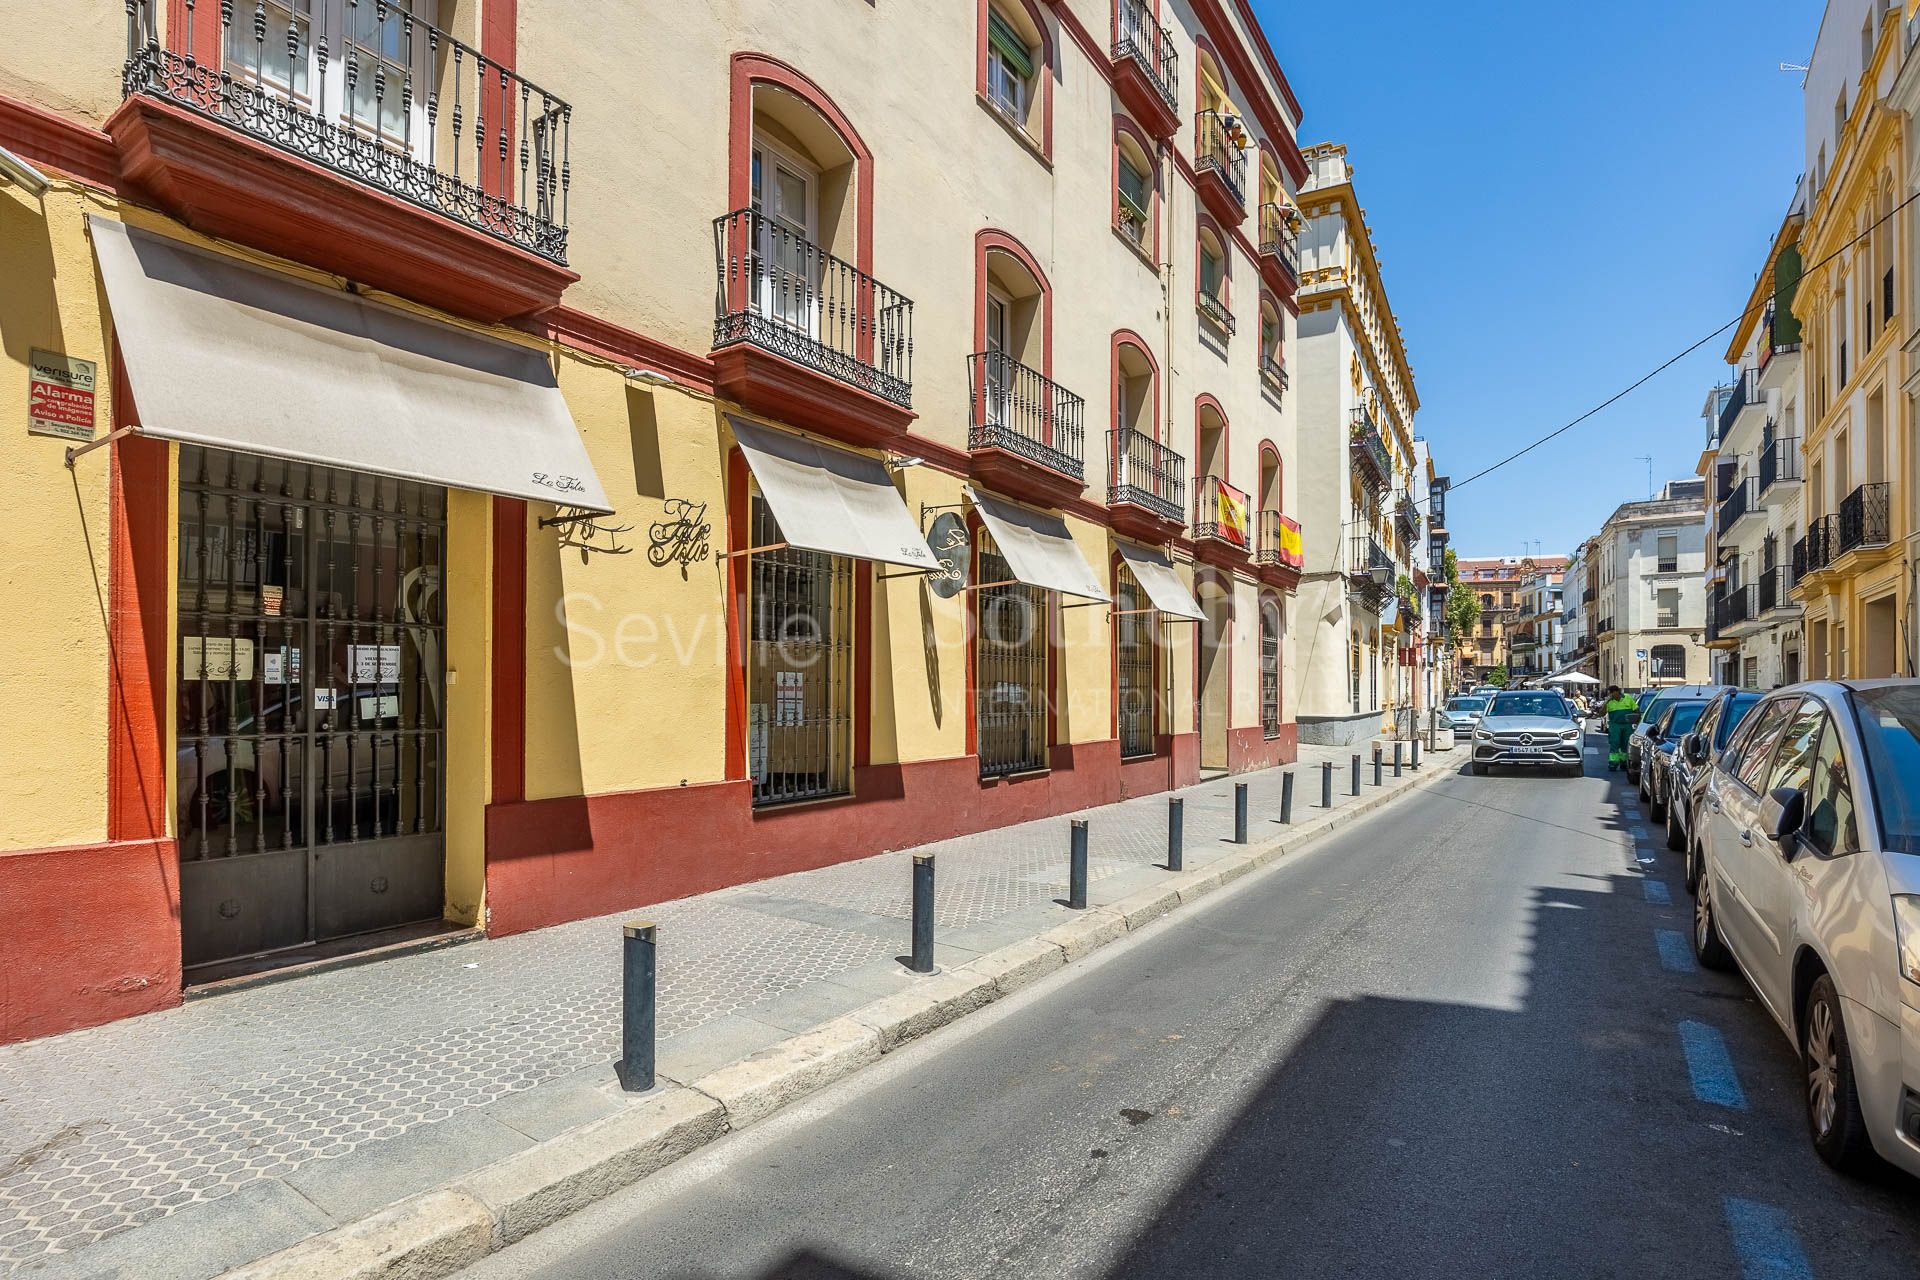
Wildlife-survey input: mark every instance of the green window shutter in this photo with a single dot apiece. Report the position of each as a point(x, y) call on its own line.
point(1133, 188)
point(1013, 50)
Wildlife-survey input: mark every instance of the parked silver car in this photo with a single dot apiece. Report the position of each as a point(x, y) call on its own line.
point(1528, 727)
point(1464, 711)
point(1806, 847)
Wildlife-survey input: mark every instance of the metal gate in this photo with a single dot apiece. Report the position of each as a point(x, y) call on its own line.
point(309, 791)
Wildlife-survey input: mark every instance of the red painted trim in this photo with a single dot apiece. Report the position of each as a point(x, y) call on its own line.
point(1098, 56)
point(1203, 48)
point(52, 141)
point(1278, 496)
point(509, 649)
point(738, 531)
point(751, 69)
point(499, 41)
point(581, 331)
point(551, 861)
point(1204, 222)
point(1123, 123)
point(139, 579)
point(1128, 338)
point(1206, 400)
point(88, 934)
point(1045, 75)
point(993, 240)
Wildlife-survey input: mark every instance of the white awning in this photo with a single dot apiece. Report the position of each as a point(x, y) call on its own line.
point(1038, 548)
point(832, 500)
point(233, 356)
point(1156, 577)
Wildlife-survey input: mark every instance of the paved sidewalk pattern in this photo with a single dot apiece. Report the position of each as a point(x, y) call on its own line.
point(343, 1089)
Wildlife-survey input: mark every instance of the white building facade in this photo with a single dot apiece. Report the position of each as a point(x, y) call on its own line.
point(1651, 596)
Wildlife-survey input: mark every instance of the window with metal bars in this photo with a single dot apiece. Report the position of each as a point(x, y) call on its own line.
point(1010, 668)
point(310, 625)
point(1270, 672)
point(1135, 638)
point(799, 669)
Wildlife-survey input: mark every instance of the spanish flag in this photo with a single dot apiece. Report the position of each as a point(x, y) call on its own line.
point(1292, 550)
point(1231, 513)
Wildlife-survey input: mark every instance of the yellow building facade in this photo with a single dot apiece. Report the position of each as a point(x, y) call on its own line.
point(1857, 454)
point(488, 463)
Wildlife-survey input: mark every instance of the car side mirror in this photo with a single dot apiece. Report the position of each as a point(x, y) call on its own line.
point(1697, 749)
point(1782, 812)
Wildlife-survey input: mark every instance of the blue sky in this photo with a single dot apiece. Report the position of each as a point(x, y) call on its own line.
point(1563, 196)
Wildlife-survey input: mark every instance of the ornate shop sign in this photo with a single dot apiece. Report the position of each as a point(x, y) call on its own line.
point(954, 550)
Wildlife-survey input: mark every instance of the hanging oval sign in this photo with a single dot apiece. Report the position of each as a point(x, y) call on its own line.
point(954, 550)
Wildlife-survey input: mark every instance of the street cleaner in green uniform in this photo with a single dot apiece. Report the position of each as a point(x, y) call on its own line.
point(1621, 712)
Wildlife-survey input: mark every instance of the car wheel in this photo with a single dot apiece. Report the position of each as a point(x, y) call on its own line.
point(1676, 838)
point(1709, 948)
point(1834, 1122)
point(1479, 770)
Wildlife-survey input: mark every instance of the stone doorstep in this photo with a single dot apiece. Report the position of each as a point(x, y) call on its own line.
point(437, 1233)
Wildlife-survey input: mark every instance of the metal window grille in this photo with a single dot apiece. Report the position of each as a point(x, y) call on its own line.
point(1134, 643)
point(1353, 669)
point(1010, 669)
point(1269, 674)
point(311, 703)
point(1373, 682)
point(800, 665)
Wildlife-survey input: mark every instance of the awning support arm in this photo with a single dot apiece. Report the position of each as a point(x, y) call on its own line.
point(74, 451)
point(747, 551)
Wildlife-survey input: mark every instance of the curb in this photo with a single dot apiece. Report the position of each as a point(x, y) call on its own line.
point(438, 1233)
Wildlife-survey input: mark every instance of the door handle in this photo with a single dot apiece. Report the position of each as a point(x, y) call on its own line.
point(1746, 838)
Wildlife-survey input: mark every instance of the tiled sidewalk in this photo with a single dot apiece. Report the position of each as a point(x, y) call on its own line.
point(239, 1123)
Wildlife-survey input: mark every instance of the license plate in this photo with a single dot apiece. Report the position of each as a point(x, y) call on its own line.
point(1530, 751)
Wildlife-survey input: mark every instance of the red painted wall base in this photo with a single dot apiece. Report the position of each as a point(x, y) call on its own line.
point(1250, 749)
point(549, 861)
point(88, 934)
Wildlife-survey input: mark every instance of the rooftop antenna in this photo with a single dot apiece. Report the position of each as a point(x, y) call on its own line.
point(1649, 461)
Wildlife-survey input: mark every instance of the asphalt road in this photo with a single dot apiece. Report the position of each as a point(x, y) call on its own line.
point(1452, 1041)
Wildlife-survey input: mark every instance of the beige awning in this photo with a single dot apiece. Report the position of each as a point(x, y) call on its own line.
point(1038, 548)
point(832, 500)
point(230, 355)
point(1156, 576)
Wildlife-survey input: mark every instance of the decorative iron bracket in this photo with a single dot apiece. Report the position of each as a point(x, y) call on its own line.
point(583, 530)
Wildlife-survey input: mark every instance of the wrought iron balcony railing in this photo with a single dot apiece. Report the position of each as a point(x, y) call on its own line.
point(1214, 152)
point(1406, 519)
point(1369, 452)
point(1733, 606)
point(1137, 36)
point(781, 292)
point(1606, 625)
point(1213, 499)
point(1277, 533)
point(1274, 373)
point(1774, 590)
point(1146, 473)
point(1369, 569)
point(1215, 311)
point(1777, 338)
point(1779, 461)
point(1017, 409)
point(1817, 549)
point(1277, 238)
point(1864, 518)
point(399, 105)
point(1732, 409)
point(1736, 505)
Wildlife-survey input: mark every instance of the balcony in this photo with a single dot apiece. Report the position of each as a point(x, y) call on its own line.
point(1737, 507)
point(1273, 376)
point(1368, 453)
point(1774, 591)
point(1604, 628)
point(1146, 69)
point(1279, 551)
point(1027, 437)
point(1816, 549)
point(806, 337)
point(1437, 501)
point(1437, 540)
point(406, 161)
point(1214, 312)
point(1220, 532)
point(1146, 485)
point(1369, 571)
point(1731, 610)
point(1406, 520)
point(1779, 346)
point(1279, 249)
point(1779, 471)
point(1863, 520)
point(1219, 168)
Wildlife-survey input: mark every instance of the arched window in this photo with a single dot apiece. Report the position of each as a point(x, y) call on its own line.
point(1013, 336)
point(1270, 669)
point(1213, 275)
point(1136, 189)
point(1015, 66)
point(1136, 386)
point(1272, 353)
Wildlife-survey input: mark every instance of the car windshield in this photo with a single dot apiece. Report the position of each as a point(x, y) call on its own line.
point(1529, 704)
point(1890, 726)
point(1467, 706)
point(1736, 712)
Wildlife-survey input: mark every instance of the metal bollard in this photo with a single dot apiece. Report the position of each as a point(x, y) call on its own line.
point(1396, 757)
point(1077, 866)
point(922, 913)
point(1376, 766)
point(1326, 784)
point(636, 1008)
point(1416, 753)
point(1239, 813)
point(1176, 834)
point(1356, 773)
point(1286, 798)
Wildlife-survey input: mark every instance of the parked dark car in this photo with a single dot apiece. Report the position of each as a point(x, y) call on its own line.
point(1677, 719)
point(1692, 757)
point(1650, 710)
